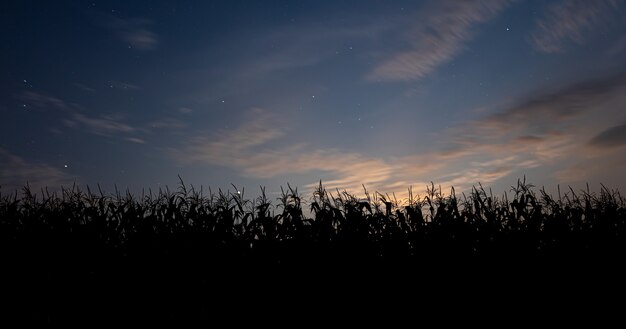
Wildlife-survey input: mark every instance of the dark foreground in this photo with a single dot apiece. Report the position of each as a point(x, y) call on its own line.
point(178, 258)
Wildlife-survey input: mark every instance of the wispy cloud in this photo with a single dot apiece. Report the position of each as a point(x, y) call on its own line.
point(108, 125)
point(101, 125)
point(133, 31)
point(83, 87)
point(122, 85)
point(611, 137)
point(73, 114)
point(309, 45)
point(439, 36)
point(115, 127)
point(185, 110)
point(136, 140)
point(250, 148)
point(570, 20)
point(15, 172)
point(167, 123)
point(546, 112)
point(227, 147)
point(550, 129)
point(618, 47)
point(43, 101)
point(253, 150)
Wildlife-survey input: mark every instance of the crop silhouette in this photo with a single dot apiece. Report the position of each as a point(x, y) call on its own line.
point(86, 244)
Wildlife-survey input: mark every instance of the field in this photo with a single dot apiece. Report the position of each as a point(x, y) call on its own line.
point(89, 244)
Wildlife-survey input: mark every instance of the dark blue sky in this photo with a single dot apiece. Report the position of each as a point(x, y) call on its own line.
point(382, 93)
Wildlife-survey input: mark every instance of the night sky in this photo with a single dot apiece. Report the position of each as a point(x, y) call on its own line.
point(383, 93)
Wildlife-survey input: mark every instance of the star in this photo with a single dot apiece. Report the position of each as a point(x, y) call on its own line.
point(508, 29)
point(64, 166)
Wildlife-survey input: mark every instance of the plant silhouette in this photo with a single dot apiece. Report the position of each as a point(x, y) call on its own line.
point(131, 252)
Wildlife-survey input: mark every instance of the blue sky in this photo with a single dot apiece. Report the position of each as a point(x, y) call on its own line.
point(383, 93)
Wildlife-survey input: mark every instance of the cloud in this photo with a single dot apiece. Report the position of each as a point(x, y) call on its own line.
point(101, 126)
point(83, 87)
point(529, 139)
point(255, 150)
point(136, 140)
point(285, 51)
point(15, 172)
point(43, 101)
point(226, 147)
point(141, 38)
point(122, 85)
point(570, 20)
point(308, 45)
point(133, 31)
point(167, 123)
point(550, 111)
point(611, 137)
point(547, 130)
point(550, 130)
point(437, 37)
point(595, 169)
point(618, 47)
point(74, 116)
point(251, 149)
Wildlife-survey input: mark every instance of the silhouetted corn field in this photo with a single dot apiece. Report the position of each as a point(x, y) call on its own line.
point(379, 226)
point(189, 239)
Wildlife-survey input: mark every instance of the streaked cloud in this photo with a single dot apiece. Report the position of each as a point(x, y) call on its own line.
point(122, 85)
point(136, 140)
point(553, 129)
point(226, 147)
point(251, 149)
point(15, 172)
point(550, 111)
point(438, 36)
point(109, 125)
point(500, 146)
point(611, 137)
point(73, 116)
point(166, 123)
point(83, 87)
point(42, 101)
point(101, 125)
point(618, 47)
point(309, 45)
point(595, 169)
point(133, 31)
point(286, 51)
point(570, 21)
point(254, 150)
